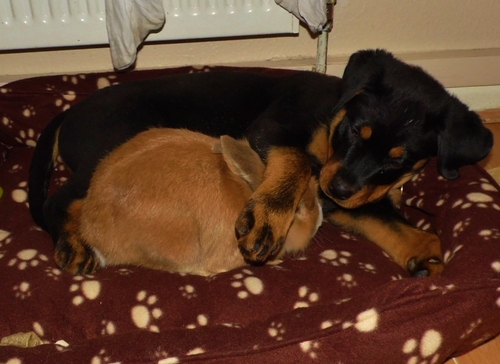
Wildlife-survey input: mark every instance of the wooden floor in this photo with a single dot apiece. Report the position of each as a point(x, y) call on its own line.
point(488, 353)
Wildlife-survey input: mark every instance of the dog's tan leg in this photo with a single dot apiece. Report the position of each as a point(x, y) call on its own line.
point(415, 250)
point(71, 253)
point(262, 226)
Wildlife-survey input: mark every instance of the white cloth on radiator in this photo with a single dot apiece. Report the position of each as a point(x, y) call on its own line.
point(312, 12)
point(128, 23)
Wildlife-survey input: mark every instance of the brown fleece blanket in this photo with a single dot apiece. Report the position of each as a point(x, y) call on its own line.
point(342, 301)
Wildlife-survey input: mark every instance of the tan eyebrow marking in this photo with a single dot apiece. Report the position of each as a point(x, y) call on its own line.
point(397, 152)
point(365, 132)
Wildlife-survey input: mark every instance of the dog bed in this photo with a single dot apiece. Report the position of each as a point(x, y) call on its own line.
point(341, 301)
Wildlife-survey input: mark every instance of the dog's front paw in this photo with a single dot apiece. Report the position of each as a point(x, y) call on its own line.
point(428, 259)
point(75, 257)
point(261, 231)
point(420, 268)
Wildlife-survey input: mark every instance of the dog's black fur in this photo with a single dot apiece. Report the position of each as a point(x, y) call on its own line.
point(362, 135)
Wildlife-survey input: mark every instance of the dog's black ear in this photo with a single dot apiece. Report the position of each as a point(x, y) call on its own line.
point(463, 140)
point(365, 69)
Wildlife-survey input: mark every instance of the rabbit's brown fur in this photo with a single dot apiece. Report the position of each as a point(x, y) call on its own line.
point(168, 199)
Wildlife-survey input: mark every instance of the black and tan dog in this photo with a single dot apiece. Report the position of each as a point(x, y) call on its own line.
point(364, 135)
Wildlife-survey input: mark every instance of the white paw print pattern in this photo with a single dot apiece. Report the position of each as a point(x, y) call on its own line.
point(335, 258)
point(59, 165)
point(246, 284)
point(423, 225)
point(145, 313)
point(198, 69)
point(28, 111)
point(59, 181)
point(442, 199)
point(496, 266)
point(306, 298)
point(84, 289)
point(425, 350)
point(22, 290)
point(232, 324)
point(103, 82)
point(101, 357)
point(207, 278)
point(342, 301)
point(27, 137)
point(477, 199)
point(366, 321)
point(195, 351)
point(310, 348)
point(460, 227)
point(498, 299)
point(69, 96)
point(20, 194)
point(15, 168)
point(161, 355)
point(490, 234)
point(449, 254)
point(328, 323)
point(4, 234)
point(38, 329)
point(53, 273)
point(473, 325)
point(188, 291)
point(27, 258)
point(419, 200)
point(108, 327)
point(485, 185)
point(276, 330)
point(367, 267)
point(169, 360)
point(347, 280)
point(5, 239)
point(348, 236)
point(201, 320)
point(7, 122)
point(124, 271)
point(418, 176)
point(74, 79)
point(443, 289)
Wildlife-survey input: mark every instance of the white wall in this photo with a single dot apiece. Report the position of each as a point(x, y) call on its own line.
point(417, 25)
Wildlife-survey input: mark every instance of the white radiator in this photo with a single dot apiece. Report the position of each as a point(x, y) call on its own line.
point(26, 24)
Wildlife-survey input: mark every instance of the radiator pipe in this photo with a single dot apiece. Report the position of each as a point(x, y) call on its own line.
point(322, 48)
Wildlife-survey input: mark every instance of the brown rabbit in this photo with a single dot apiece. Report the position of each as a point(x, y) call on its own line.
point(168, 199)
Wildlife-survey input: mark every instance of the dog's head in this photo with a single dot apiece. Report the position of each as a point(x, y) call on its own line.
point(391, 118)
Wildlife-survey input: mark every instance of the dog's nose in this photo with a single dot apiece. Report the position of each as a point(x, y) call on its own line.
point(340, 189)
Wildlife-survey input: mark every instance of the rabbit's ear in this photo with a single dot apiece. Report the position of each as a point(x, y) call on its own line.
point(242, 160)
